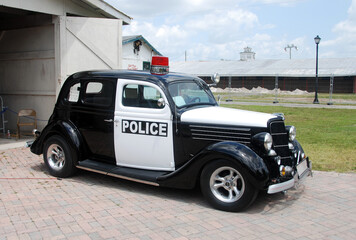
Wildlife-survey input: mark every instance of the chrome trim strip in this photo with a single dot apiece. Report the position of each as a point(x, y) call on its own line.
point(118, 176)
point(91, 170)
point(219, 140)
point(133, 179)
point(225, 128)
point(276, 134)
point(280, 146)
point(197, 131)
point(217, 135)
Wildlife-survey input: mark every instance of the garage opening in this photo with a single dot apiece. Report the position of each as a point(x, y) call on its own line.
point(26, 65)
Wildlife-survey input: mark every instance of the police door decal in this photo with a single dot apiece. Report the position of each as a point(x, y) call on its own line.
point(144, 128)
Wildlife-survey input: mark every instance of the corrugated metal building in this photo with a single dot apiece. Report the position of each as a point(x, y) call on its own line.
point(292, 74)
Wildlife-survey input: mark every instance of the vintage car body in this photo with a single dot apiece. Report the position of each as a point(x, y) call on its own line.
point(167, 130)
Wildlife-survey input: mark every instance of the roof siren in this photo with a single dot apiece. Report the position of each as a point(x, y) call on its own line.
point(159, 65)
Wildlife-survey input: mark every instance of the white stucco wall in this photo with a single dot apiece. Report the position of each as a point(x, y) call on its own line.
point(134, 61)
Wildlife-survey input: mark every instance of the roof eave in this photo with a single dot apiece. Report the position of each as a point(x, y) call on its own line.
point(140, 37)
point(108, 10)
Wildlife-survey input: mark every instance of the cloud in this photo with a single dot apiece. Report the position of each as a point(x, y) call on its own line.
point(213, 30)
point(284, 3)
point(345, 36)
point(207, 35)
point(235, 18)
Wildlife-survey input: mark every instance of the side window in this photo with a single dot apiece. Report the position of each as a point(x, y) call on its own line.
point(98, 93)
point(73, 95)
point(130, 97)
point(151, 94)
point(140, 96)
point(94, 87)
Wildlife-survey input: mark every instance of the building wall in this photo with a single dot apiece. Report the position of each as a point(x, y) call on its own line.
point(341, 84)
point(27, 72)
point(134, 61)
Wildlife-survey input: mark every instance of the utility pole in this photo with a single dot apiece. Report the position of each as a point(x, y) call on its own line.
point(290, 49)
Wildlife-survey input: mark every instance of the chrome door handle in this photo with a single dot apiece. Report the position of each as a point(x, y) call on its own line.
point(110, 120)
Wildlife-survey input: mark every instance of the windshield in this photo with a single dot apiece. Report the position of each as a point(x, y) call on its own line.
point(190, 93)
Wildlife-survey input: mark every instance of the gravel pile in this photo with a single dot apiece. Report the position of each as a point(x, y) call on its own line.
point(258, 90)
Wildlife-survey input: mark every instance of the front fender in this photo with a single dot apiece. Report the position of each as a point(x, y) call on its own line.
point(251, 163)
point(63, 128)
point(297, 146)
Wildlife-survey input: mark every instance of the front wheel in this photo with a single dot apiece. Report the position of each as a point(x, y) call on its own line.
point(225, 186)
point(59, 157)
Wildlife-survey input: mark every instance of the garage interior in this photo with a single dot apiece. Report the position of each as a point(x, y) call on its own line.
point(27, 64)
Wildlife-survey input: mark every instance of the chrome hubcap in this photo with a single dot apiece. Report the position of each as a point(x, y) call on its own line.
point(55, 157)
point(227, 184)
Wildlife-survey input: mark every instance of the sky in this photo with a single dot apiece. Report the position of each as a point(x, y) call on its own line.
point(210, 30)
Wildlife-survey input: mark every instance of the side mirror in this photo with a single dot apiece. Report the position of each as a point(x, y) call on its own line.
point(215, 78)
point(161, 103)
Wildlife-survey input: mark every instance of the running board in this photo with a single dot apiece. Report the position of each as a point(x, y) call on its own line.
point(132, 174)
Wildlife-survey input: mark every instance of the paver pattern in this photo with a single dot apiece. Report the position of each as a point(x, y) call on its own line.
point(35, 205)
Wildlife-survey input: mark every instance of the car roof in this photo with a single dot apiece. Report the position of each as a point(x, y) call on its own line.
point(135, 75)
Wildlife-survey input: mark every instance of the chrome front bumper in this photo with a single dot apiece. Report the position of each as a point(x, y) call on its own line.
point(297, 179)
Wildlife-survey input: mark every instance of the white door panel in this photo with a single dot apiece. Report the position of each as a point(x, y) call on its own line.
point(143, 136)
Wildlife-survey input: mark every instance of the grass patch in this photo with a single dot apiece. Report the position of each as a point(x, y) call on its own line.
point(328, 136)
point(337, 99)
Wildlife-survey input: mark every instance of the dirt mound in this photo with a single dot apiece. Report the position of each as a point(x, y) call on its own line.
point(258, 90)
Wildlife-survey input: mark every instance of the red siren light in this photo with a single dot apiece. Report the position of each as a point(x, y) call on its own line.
point(159, 65)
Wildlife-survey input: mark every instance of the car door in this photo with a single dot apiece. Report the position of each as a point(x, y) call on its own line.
point(142, 129)
point(92, 113)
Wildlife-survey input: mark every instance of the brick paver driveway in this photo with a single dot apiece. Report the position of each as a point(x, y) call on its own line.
point(35, 205)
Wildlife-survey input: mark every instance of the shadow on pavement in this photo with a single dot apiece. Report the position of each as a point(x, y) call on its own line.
point(264, 203)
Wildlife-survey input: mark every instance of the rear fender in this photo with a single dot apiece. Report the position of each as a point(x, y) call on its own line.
point(64, 129)
point(250, 162)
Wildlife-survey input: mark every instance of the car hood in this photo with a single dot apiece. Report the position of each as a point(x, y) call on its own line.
point(226, 116)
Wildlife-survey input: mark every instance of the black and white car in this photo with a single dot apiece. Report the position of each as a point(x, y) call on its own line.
point(166, 129)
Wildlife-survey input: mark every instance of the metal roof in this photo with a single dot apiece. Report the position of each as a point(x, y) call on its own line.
point(128, 39)
point(271, 67)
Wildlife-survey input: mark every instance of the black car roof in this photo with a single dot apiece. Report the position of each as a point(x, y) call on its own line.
point(135, 75)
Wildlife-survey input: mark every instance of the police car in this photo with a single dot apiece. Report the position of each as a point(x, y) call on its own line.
point(166, 129)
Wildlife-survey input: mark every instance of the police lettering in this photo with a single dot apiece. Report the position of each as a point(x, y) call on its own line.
point(144, 128)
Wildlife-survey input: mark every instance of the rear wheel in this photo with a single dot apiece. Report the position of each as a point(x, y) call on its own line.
point(59, 157)
point(226, 187)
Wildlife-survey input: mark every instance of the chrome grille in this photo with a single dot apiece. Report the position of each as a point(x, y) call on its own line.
point(280, 138)
point(241, 135)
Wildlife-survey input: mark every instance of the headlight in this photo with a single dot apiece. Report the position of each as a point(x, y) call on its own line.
point(263, 140)
point(267, 141)
point(292, 132)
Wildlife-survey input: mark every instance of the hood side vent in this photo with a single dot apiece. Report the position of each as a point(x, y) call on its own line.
point(220, 134)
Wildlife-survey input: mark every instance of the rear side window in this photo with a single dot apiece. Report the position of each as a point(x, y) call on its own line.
point(142, 96)
point(73, 95)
